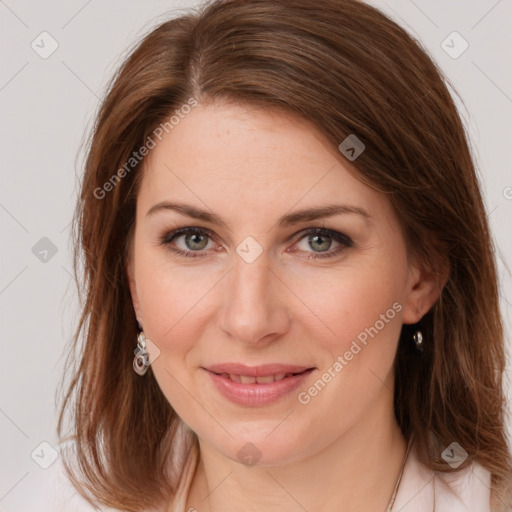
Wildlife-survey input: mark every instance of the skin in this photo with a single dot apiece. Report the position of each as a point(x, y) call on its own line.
point(250, 167)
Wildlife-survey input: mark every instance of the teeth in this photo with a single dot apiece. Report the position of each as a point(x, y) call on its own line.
point(246, 379)
point(265, 380)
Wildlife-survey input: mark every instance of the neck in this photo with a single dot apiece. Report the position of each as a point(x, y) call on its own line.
point(356, 473)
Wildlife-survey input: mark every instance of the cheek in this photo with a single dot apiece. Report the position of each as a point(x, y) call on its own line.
point(171, 307)
point(170, 293)
point(358, 326)
point(345, 303)
point(355, 328)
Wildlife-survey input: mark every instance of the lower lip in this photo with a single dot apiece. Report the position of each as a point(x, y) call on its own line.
point(255, 395)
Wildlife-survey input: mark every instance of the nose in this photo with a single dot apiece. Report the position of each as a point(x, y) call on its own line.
point(255, 311)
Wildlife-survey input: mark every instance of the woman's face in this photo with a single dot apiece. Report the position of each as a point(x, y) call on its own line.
point(253, 289)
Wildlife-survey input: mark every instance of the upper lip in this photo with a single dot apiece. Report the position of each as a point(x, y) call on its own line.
point(255, 371)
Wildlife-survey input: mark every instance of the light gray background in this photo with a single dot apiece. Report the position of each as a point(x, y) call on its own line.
point(46, 104)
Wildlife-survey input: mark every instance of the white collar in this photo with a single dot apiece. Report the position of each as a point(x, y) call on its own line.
point(425, 490)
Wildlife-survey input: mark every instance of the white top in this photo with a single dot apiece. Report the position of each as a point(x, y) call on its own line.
point(420, 488)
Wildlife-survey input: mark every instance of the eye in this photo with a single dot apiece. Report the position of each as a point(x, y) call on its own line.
point(194, 240)
point(321, 239)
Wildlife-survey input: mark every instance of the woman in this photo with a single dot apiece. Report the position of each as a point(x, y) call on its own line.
point(290, 290)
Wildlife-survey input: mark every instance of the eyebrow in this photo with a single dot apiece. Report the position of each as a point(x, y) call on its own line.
point(289, 219)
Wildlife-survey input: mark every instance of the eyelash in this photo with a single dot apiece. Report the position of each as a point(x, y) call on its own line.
point(344, 240)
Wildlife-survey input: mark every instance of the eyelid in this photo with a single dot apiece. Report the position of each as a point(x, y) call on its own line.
point(171, 235)
point(332, 233)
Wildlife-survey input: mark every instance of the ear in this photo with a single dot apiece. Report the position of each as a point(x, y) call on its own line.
point(130, 273)
point(425, 285)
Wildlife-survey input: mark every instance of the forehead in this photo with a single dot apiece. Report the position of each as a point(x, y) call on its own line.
point(229, 157)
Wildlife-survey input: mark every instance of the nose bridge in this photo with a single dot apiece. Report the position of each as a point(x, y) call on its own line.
point(253, 308)
point(251, 283)
point(252, 280)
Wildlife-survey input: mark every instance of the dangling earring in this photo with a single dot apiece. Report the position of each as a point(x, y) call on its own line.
point(141, 360)
point(418, 340)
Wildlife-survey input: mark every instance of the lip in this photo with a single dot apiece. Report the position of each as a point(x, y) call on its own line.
point(255, 371)
point(256, 394)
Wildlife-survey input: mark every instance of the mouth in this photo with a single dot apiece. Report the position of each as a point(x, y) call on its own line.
point(258, 385)
point(263, 379)
point(262, 374)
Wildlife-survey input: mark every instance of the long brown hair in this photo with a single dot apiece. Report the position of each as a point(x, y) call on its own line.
point(347, 68)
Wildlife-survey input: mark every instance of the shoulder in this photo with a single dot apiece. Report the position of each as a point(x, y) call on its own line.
point(48, 490)
point(424, 490)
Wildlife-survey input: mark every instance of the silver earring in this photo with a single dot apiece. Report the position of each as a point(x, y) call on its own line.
point(418, 340)
point(141, 360)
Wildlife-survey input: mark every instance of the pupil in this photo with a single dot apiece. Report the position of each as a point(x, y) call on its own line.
point(194, 241)
point(321, 238)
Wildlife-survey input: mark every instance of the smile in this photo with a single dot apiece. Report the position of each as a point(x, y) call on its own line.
point(247, 379)
point(256, 386)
